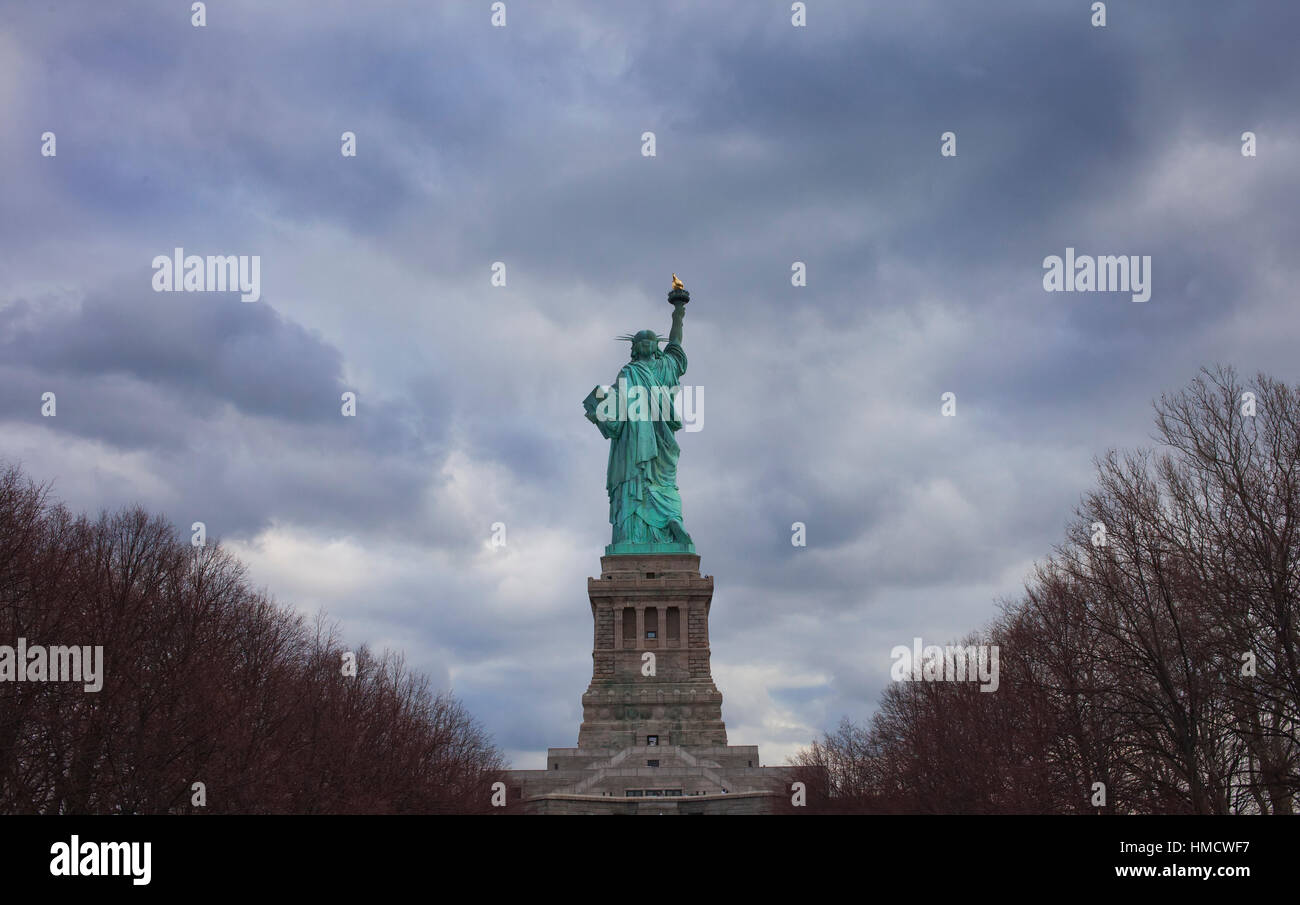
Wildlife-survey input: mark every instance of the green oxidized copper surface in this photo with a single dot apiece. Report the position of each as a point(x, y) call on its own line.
point(645, 507)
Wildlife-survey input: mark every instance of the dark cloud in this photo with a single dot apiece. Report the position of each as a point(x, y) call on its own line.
point(207, 346)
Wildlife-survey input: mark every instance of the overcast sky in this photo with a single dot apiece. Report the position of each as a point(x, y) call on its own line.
point(523, 145)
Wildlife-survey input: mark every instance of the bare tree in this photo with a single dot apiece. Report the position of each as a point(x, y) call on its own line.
point(1151, 664)
point(205, 681)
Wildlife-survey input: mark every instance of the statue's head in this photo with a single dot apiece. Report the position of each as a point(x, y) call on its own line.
point(645, 344)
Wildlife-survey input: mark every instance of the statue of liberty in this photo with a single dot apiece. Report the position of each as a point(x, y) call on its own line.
point(639, 416)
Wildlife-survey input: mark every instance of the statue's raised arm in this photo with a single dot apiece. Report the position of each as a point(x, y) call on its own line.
point(679, 297)
point(675, 332)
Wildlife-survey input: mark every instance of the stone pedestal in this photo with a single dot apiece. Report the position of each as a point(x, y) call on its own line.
point(651, 678)
point(652, 739)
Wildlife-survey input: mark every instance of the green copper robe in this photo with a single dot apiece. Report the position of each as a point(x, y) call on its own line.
point(645, 507)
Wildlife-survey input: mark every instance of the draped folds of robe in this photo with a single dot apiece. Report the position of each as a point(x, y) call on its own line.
point(644, 504)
